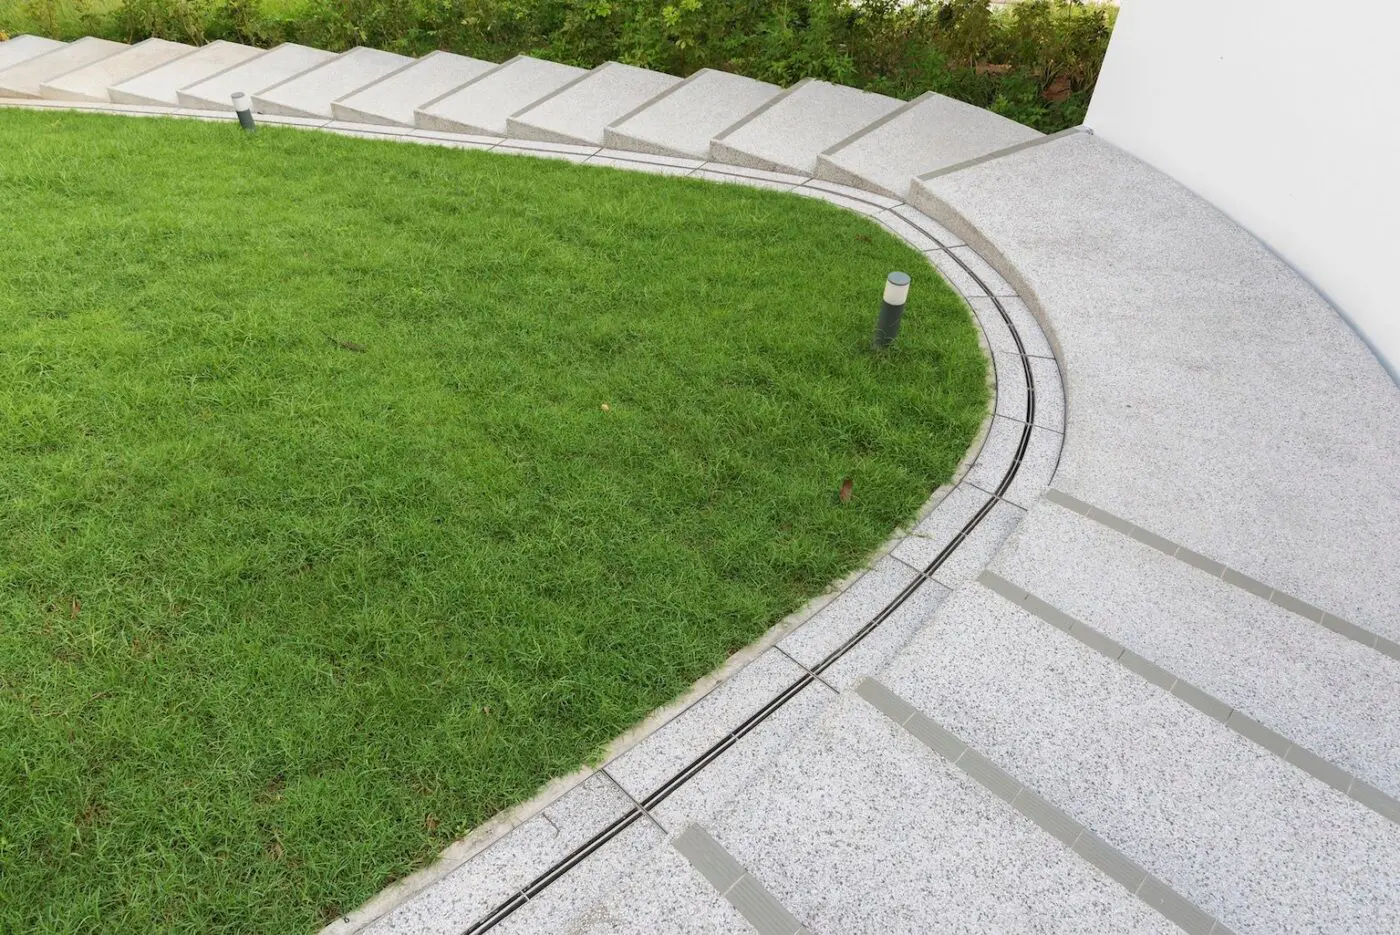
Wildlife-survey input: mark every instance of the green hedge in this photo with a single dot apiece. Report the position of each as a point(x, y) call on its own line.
point(1035, 63)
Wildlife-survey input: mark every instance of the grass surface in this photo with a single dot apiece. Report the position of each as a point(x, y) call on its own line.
point(319, 545)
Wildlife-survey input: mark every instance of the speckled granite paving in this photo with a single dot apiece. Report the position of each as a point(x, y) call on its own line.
point(1136, 670)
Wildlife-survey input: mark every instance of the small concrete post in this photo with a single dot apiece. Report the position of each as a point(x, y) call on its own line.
point(244, 108)
point(891, 310)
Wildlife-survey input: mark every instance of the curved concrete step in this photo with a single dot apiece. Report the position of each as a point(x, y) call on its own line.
point(263, 71)
point(161, 85)
point(794, 128)
point(483, 106)
point(682, 121)
point(579, 111)
point(392, 99)
point(1248, 839)
point(310, 93)
point(26, 78)
point(1313, 688)
point(860, 827)
point(929, 133)
point(91, 82)
point(1215, 396)
point(23, 48)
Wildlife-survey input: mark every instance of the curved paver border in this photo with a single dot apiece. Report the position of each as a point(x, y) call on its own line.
point(1028, 393)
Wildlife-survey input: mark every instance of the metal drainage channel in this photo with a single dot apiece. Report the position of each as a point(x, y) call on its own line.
point(644, 807)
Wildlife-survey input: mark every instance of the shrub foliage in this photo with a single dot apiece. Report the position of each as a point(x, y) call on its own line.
point(1036, 62)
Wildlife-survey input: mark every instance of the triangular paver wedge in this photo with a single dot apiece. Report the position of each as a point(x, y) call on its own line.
point(24, 79)
point(789, 134)
point(23, 48)
point(91, 83)
point(392, 99)
point(929, 133)
point(683, 120)
point(310, 93)
point(270, 68)
point(483, 105)
point(580, 111)
point(161, 85)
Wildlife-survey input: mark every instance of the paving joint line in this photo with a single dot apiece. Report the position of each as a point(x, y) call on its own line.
point(1223, 572)
point(1324, 770)
point(1059, 824)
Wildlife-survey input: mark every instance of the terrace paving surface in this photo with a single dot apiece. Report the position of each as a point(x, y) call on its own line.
point(1137, 668)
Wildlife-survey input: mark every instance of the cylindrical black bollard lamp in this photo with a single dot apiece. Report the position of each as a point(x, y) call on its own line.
point(244, 108)
point(891, 310)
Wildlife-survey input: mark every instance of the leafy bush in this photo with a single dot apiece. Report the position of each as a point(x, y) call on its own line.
point(1036, 62)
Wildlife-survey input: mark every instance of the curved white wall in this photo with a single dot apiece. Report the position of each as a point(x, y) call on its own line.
point(1286, 115)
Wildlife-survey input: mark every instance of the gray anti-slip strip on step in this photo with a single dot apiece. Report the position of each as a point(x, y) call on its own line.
point(1113, 862)
point(1277, 744)
point(741, 888)
point(1229, 575)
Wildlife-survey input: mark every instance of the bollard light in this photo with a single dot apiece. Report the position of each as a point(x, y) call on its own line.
point(244, 108)
point(891, 310)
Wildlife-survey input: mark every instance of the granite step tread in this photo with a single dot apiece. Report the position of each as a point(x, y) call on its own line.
point(161, 85)
point(1253, 841)
point(580, 111)
point(25, 78)
point(263, 71)
point(682, 121)
point(1324, 692)
point(482, 106)
point(310, 93)
point(794, 128)
point(91, 82)
point(929, 133)
point(829, 832)
point(392, 99)
point(23, 48)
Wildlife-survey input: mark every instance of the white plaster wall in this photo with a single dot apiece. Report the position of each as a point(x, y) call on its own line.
point(1286, 115)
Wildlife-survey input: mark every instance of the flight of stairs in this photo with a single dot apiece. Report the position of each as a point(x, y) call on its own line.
point(812, 129)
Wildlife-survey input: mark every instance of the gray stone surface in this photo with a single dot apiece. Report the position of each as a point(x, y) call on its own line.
point(861, 828)
point(713, 789)
point(310, 93)
point(1032, 335)
point(392, 99)
point(839, 620)
point(1248, 838)
point(1037, 467)
point(1216, 399)
point(654, 760)
point(571, 904)
point(662, 895)
point(483, 105)
point(929, 133)
point(161, 85)
point(90, 83)
point(25, 78)
point(482, 883)
point(973, 553)
point(23, 48)
point(936, 532)
point(264, 71)
point(789, 133)
point(1319, 689)
point(682, 120)
point(580, 111)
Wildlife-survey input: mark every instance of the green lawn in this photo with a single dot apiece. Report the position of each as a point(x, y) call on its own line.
point(318, 543)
